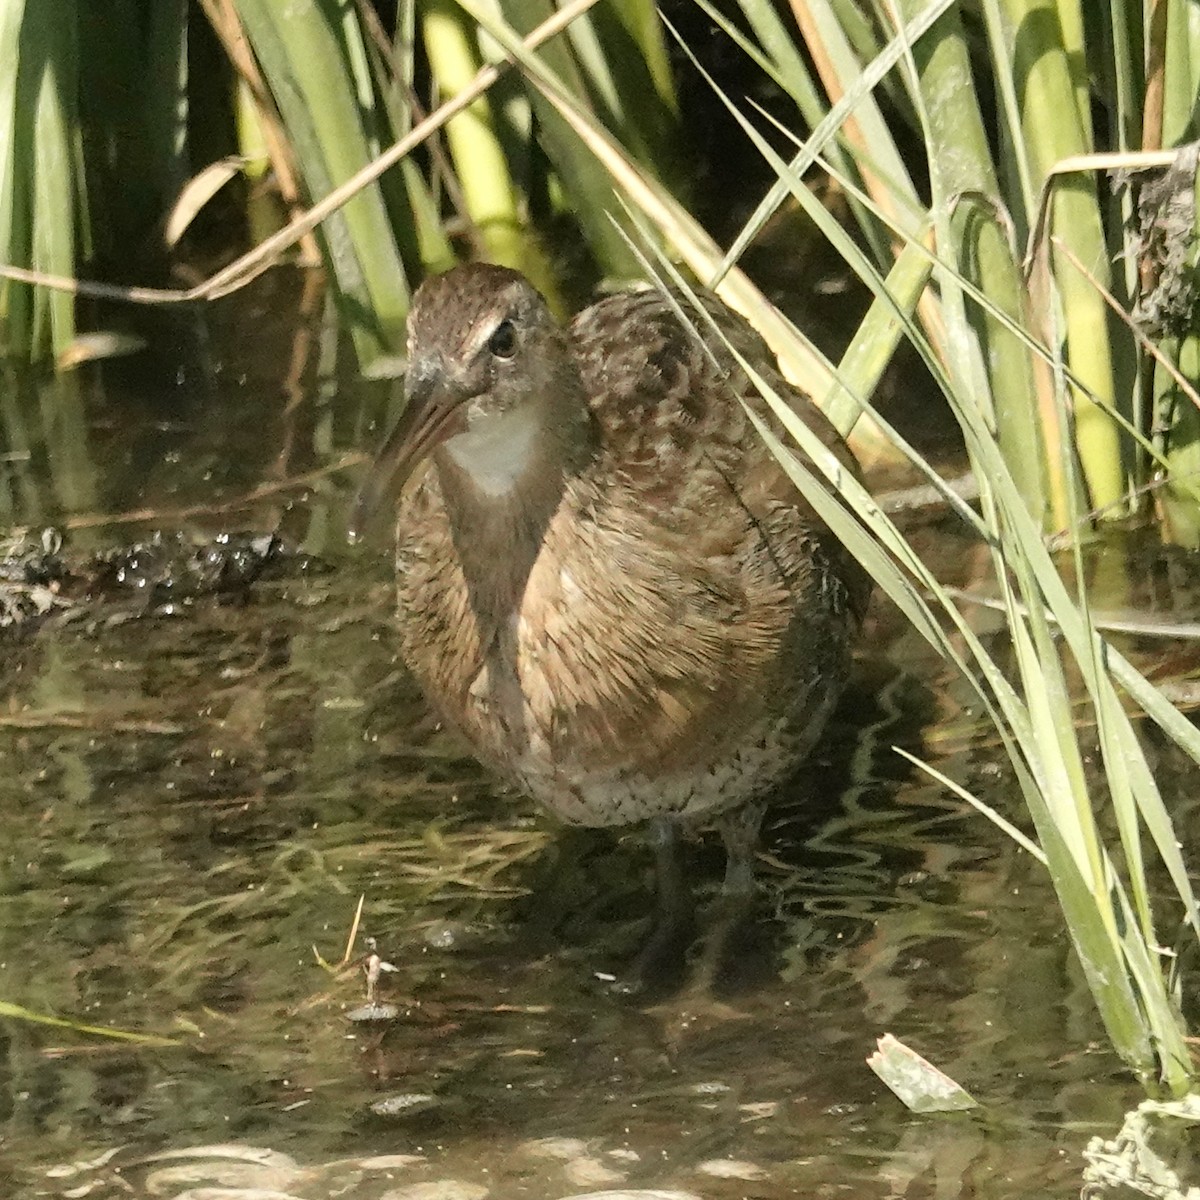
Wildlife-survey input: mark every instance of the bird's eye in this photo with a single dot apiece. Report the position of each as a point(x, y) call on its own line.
point(503, 342)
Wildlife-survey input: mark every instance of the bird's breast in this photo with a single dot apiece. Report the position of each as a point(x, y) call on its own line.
point(625, 656)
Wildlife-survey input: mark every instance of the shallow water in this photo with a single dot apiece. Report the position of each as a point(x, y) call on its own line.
point(197, 790)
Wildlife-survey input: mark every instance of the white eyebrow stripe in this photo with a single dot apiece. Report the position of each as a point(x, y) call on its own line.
point(489, 322)
point(484, 328)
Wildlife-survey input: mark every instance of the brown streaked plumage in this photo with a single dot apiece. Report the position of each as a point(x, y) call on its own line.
point(606, 582)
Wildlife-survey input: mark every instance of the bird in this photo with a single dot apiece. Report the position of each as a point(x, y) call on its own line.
point(606, 581)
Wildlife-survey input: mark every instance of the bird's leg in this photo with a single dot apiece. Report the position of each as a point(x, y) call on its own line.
point(726, 940)
point(674, 892)
point(659, 964)
point(739, 831)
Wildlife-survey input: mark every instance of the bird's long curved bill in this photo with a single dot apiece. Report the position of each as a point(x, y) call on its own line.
point(424, 423)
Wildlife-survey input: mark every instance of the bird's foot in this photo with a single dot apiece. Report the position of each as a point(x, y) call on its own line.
point(734, 953)
point(660, 966)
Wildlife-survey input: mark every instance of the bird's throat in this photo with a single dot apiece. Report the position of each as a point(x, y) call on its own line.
point(496, 453)
point(502, 482)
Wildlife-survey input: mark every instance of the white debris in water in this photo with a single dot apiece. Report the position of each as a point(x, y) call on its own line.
point(444, 935)
point(84, 1189)
point(730, 1168)
point(588, 1172)
point(405, 1102)
point(66, 1170)
point(229, 1150)
point(443, 1189)
point(247, 1170)
point(635, 1194)
point(374, 1012)
point(760, 1110)
point(563, 1148)
point(388, 1162)
point(223, 1178)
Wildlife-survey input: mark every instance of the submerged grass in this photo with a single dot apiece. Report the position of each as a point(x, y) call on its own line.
point(18, 1012)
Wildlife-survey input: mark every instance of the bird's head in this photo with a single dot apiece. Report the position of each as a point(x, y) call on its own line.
point(490, 377)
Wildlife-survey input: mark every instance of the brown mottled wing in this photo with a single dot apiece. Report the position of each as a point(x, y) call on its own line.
point(658, 668)
point(671, 406)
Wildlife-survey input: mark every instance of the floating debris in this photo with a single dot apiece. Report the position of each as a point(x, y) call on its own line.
point(170, 568)
point(31, 577)
point(921, 1087)
point(563, 1148)
point(388, 1162)
point(1153, 1154)
point(162, 572)
point(635, 1194)
point(711, 1087)
point(588, 1171)
point(374, 967)
point(250, 1179)
point(730, 1168)
point(235, 1172)
point(68, 1170)
point(444, 935)
point(374, 1011)
point(228, 1150)
point(443, 1189)
point(404, 1104)
point(759, 1110)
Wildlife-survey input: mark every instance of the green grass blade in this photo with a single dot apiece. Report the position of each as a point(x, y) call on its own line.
point(14, 228)
point(858, 83)
point(18, 1012)
point(304, 61)
point(1055, 125)
point(1002, 823)
point(590, 188)
point(38, 124)
point(1125, 979)
point(877, 336)
point(968, 207)
point(54, 216)
point(480, 162)
point(166, 91)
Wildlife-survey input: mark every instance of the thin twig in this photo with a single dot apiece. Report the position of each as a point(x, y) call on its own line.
point(169, 516)
point(1109, 622)
point(1129, 160)
point(353, 930)
point(227, 25)
point(1144, 342)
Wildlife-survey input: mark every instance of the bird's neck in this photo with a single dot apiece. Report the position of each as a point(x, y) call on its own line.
point(502, 480)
